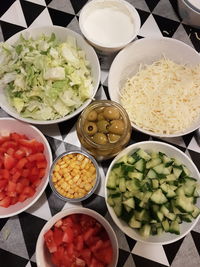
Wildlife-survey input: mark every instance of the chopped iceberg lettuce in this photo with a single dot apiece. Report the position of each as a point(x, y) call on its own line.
point(45, 79)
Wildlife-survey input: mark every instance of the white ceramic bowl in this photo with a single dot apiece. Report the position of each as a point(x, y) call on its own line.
point(8, 125)
point(102, 7)
point(171, 151)
point(147, 51)
point(43, 256)
point(61, 33)
point(189, 11)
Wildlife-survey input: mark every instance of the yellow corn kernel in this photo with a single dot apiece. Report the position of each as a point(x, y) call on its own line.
point(80, 157)
point(64, 185)
point(54, 179)
point(85, 161)
point(76, 178)
point(70, 182)
point(56, 168)
point(88, 187)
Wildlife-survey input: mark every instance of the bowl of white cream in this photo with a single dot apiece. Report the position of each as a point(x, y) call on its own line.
point(109, 25)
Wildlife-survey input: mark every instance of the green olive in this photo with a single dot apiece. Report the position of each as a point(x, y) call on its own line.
point(100, 116)
point(117, 127)
point(90, 128)
point(113, 138)
point(111, 113)
point(99, 109)
point(92, 115)
point(100, 138)
point(102, 126)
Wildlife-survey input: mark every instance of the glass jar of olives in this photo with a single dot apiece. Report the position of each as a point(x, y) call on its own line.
point(103, 129)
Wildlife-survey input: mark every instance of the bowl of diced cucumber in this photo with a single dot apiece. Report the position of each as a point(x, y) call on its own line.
point(153, 192)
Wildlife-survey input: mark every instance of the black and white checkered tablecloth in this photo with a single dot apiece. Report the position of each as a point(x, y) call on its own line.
point(159, 18)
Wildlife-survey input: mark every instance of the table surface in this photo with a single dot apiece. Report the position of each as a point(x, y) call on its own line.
point(158, 18)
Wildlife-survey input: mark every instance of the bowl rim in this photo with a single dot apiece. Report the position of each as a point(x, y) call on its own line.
point(50, 163)
point(134, 15)
point(93, 189)
point(53, 29)
point(74, 210)
point(115, 61)
point(116, 220)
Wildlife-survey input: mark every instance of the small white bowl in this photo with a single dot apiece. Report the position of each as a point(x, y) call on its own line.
point(146, 51)
point(43, 256)
point(109, 10)
point(61, 33)
point(8, 125)
point(171, 151)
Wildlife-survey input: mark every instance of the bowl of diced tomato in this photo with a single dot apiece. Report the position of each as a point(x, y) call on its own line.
point(25, 160)
point(77, 237)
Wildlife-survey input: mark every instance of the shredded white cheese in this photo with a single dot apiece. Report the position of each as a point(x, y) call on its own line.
point(163, 97)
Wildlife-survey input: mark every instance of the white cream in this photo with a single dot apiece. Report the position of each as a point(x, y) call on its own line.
point(109, 26)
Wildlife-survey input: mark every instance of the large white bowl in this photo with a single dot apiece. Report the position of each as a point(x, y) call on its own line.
point(147, 51)
point(42, 254)
point(171, 151)
point(61, 33)
point(8, 125)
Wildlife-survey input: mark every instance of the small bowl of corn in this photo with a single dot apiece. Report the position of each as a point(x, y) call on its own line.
point(74, 176)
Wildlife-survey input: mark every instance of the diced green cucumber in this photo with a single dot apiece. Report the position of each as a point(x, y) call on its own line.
point(110, 201)
point(142, 154)
point(158, 197)
point(151, 174)
point(127, 208)
point(180, 191)
point(171, 177)
point(167, 170)
point(159, 168)
point(159, 230)
point(128, 194)
point(154, 155)
point(129, 202)
point(111, 181)
point(131, 160)
point(171, 216)
point(186, 172)
point(140, 165)
point(122, 185)
point(174, 228)
point(177, 172)
point(186, 217)
point(137, 175)
point(133, 185)
point(189, 187)
point(142, 215)
point(159, 216)
point(155, 183)
point(183, 204)
point(165, 225)
point(134, 223)
point(153, 162)
point(195, 212)
point(178, 219)
point(118, 210)
point(145, 230)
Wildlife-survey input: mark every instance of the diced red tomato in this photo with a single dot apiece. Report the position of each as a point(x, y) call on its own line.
point(16, 176)
point(21, 163)
point(90, 248)
point(58, 236)
point(5, 202)
point(19, 154)
point(104, 255)
point(19, 177)
point(11, 151)
point(9, 161)
point(49, 240)
point(36, 157)
point(3, 184)
point(68, 235)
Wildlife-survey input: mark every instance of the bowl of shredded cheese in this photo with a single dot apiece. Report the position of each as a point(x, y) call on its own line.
point(157, 81)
